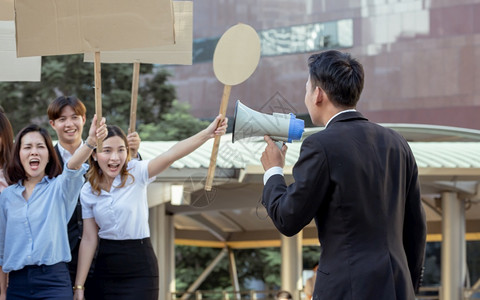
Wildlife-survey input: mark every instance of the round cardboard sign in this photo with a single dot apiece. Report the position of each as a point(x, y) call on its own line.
point(236, 55)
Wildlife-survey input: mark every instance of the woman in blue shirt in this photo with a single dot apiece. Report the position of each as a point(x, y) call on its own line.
point(34, 211)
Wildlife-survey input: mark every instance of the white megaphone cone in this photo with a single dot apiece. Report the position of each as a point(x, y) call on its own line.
point(280, 127)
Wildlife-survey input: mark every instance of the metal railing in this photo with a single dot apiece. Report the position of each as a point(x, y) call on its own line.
point(435, 293)
point(225, 295)
point(429, 293)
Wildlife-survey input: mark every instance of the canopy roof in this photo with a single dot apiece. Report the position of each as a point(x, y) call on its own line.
point(448, 159)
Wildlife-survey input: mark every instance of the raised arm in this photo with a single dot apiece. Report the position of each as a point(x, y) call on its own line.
point(187, 146)
point(82, 153)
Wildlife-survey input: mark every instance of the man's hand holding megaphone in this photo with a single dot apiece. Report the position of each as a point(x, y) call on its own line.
point(273, 156)
point(277, 129)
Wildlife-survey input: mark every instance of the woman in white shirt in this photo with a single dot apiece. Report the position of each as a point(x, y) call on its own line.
point(115, 209)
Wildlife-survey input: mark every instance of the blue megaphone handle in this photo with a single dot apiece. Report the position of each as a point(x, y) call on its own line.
point(295, 128)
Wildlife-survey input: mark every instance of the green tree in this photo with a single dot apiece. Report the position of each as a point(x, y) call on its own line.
point(311, 255)
point(156, 96)
point(191, 261)
point(259, 263)
point(176, 124)
point(27, 102)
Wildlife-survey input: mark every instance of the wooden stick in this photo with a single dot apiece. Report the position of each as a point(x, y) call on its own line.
point(98, 94)
point(133, 106)
point(216, 143)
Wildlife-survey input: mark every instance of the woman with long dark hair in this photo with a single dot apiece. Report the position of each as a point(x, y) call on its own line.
point(34, 211)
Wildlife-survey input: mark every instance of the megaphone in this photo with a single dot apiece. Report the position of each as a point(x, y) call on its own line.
point(280, 127)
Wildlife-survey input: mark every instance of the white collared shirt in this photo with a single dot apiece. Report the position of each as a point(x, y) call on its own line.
point(339, 113)
point(278, 170)
point(121, 213)
point(64, 153)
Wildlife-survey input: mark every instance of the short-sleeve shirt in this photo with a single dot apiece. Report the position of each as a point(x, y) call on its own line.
point(122, 212)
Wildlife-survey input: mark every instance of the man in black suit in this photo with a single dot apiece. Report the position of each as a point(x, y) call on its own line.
point(67, 117)
point(359, 181)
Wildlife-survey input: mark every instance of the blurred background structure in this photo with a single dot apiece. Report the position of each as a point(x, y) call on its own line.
point(422, 57)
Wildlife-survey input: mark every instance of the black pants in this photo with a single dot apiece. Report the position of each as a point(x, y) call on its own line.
point(40, 282)
point(126, 270)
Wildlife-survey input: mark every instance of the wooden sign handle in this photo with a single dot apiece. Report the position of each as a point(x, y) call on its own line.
point(98, 94)
point(216, 142)
point(133, 105)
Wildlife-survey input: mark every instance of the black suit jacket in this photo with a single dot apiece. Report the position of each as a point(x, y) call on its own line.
point(359, 181)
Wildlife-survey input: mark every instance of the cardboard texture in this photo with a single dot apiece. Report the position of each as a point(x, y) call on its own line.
point(11, 67)
point(237, 54)
point(6, 10)
point(56, 27)
point(179, 53)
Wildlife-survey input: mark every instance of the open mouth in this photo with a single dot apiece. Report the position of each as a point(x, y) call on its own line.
point(113, 167)
point(34, 163)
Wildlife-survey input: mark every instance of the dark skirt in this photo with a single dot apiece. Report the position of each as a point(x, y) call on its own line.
point(126, 269)
point(40, 282)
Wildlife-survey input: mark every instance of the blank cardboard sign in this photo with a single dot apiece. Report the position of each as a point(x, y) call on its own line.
point(179, 53)
point(237, 54)
point(6, 10)
point(56, 27)
point(11, 67)
point(235, 58)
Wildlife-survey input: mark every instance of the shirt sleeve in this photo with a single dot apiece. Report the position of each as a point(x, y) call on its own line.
point(139, 170)
point(85, 195)
point(70, 183)
point(270, 172)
